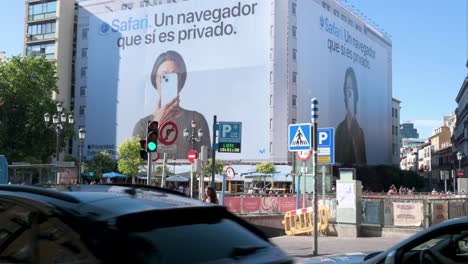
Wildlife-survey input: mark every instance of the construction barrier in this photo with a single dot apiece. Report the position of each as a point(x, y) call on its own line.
point(300, 221)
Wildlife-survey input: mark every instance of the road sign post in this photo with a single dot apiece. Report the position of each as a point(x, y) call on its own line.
point(314, 119)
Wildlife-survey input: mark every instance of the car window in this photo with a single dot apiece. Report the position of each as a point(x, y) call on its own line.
point(450, 247)
point(27, 234)
point(16, 232)
point(60, 244)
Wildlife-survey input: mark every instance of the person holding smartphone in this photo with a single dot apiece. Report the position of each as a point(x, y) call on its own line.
point(168, 78)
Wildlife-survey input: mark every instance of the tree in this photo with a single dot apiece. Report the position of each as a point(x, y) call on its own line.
point(100, 163)
point(166, 169)
point(26, 87)
point(265, 167)
point(219, 165)
point(130, 161)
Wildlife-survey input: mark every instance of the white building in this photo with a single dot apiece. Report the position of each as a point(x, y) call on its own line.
point(279, 57)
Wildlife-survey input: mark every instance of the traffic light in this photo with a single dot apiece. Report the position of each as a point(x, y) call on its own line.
point(143, 152)
point(152, 136)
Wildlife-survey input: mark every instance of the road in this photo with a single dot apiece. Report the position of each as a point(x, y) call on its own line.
point(302, 247)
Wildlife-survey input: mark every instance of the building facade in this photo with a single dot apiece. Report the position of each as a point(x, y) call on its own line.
point(460, 134)
point(396, 140)
point(50, 30)
point(407, 130)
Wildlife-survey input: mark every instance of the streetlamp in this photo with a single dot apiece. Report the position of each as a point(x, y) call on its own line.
point(58, 122)
point(190, 136)
point(459, 158)
point(191, 139)
point(82, 136)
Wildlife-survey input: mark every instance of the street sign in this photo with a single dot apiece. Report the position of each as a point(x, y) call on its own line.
point(157, 157)
point(229, 137)
point(326, 145)
point(230, 173)
point(168, 133)
point(460, 173)
point(303, 155)
point(299, 136)
point(192, 156)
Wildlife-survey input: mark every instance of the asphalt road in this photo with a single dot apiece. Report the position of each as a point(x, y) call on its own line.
point(302, 247)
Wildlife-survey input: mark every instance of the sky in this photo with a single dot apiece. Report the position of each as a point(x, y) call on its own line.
point(429, 48)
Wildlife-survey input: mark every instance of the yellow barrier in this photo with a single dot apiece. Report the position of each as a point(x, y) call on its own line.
point(300, 221)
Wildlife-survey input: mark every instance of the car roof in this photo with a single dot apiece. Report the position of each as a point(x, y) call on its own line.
point(103, 201)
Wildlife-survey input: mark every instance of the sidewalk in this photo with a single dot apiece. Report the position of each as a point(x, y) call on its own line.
point(302, 247)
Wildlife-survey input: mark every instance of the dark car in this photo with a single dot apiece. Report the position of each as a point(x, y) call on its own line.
point(445, 243)
point(123, 224)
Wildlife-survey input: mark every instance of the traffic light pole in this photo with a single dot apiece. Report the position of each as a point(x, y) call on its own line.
point(213, 152)
point(148, 172)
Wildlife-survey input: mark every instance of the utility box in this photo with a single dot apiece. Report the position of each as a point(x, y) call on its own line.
point(349, 205)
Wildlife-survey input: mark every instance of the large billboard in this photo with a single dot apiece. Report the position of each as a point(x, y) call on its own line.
point(347, 66)
point(218, 52)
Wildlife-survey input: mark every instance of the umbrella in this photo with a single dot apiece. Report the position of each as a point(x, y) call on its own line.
point(177, 178)
point(113, 175)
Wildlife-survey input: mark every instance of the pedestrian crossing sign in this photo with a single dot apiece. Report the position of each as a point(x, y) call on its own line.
point(299, 136)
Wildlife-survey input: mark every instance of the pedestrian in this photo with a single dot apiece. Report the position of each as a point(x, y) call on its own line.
point(210, 195)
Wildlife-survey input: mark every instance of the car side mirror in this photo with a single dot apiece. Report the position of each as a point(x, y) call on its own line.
point(390, 259)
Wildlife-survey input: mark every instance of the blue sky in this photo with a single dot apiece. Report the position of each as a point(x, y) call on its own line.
point(430, 49)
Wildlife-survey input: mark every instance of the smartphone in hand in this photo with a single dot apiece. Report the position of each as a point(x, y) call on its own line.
point(169, 87)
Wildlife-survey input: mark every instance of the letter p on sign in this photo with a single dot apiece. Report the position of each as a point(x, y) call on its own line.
point(323, 136)
point(226, 129)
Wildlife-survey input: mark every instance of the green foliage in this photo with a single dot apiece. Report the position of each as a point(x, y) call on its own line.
point(219, 165)
point(379, 178)
point(130, 161)
point(70, 158)
point(166, 169)
point(265, 167)
point(100, 163)
point(26, 87)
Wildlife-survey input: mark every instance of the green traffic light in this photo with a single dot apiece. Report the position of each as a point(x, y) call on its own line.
point(152, 146)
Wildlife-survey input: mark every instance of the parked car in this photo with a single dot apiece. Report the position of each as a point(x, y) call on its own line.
point(123, 224)
point(444, 243)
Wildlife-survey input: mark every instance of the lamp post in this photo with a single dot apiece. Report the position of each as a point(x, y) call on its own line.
point(191, 139)
point(459, 158)
point(82, 136)
point(190, 136)
point(59, 120)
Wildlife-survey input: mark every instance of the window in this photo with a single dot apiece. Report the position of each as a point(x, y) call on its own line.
point(393, 130)
point(271, 99)
point(41, 31)
point(293, 8)
point(144, 3)
point(294, 31)
point(272, 30)
point(84, 33)
point(271, 53)
point(396, 112)
point(42, 11)
point(82, 110)
point(82, 90)
point(271, 76)
point(271, 147)
point(37, 50)
point(83, 71)
point(127, 6)
point(336, 13)
point(271, 123)
point(294, 54)
point(344, 18)
point(84, 52)
point(294, 79)
point(294, 100)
